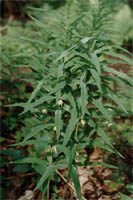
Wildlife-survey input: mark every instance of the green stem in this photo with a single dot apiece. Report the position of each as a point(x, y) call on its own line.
point(51, 162)
point(48, 189)
point(77, 128)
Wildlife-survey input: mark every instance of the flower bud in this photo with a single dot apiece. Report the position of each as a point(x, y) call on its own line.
point(53, 149)
point(83, 122)
point(54, 128)
point(44, 111)
point(60, 103)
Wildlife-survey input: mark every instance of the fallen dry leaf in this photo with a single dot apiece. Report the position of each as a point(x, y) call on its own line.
point(104, 197)
point(109, 189)
point(28, 195)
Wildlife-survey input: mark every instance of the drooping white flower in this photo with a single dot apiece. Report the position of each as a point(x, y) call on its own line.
point(44, 111)
point(83, 122)
point(60, 102)
point(54, 128)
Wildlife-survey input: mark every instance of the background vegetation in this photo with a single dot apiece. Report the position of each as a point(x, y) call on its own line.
point(63, 65)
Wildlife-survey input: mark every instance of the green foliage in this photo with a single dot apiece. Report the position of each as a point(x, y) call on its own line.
point(124, 19)
point(125, 130)
point(67, 54)
point(13, 89)
point(125, 197)
point(129, 187)
point(18, 9)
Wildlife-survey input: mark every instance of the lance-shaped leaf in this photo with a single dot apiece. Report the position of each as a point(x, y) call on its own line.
point(38, 87)
point(59, 86)
point(95, 62)
point(84, 99)
point(29, 106)
point(66, 52)
point(121, 56)
point(49, 171)
point(85, 40)
point(97, 78)
point(35, 141)
point(58, 122)
point(60, 70)
point(101, 164)
point(71, 159)
point(117, 100)
point(71, 100)
point(36, 130)
point(104, 136)
point(76, 183)
point(30, 160)
point(119, 74)
point(70, 127)
point(106, 139)
point(103, 110)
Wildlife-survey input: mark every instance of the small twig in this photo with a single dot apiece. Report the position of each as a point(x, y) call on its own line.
point(29, 174)
point(14, 177)
point(71, 186)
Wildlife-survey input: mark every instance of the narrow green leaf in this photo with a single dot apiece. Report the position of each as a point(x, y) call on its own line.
point(85, 40)
point(16, 105)
point(96, 62)
point(72, 100)
point(36, 9)
point(77, 20)
point(102, 164)
point(121, 56)
point(82, 78)
point(71, 159)
point(66, 52)
point(99, 142)
point(84, 99)
point(45, 176)
point(60, 70)
point(76, 183)
point(58, 122)
point(49, 171)
point(36, 130)
point(105, 48)
point(101, 108)
point(36, 141)
point(30, 106)
point(33, 41)
point(58, 86)
point(41, 100)
point(104, 136)
point(70, 127)
point(30, 160)
point(106, 139)
point(119, 74)
point(97, 78)
point(38, 87)
point(37, 22)
point(111, 61)
point(129, 187)
point(120, 48)
point(117, 100)
point(23, 54)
